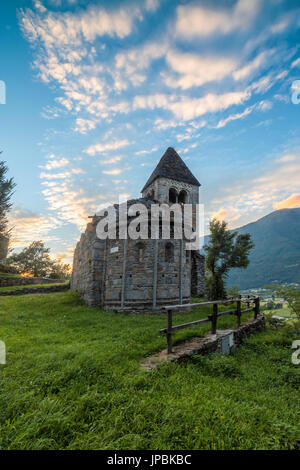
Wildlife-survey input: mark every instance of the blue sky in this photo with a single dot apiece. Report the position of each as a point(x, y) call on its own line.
point(97, 90)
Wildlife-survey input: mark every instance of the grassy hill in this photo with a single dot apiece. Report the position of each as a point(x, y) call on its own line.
point(73, 381)
point(276, 256)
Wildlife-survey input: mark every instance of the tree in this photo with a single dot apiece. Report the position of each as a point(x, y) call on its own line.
point(6, 191)
point(59, 270)
point(233, 292)
point(225, 250)
point(292, 296)
point(33, 260)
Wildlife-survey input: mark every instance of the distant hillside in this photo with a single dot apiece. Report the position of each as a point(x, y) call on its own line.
point(276, 256)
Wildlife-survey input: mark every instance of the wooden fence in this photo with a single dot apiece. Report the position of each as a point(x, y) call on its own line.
point(213, 318)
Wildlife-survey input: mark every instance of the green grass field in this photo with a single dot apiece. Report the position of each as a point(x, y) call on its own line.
point(73, 381)
point(282, 312)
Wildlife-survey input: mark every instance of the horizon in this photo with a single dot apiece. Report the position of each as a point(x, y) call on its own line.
point(97, 90)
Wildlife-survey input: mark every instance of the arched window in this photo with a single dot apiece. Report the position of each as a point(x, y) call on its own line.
point(169, 252)
point(183, 197)
point(140, 251)
point(150, 195)
point(172, 195)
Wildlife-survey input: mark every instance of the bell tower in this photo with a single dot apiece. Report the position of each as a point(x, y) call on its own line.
point(172, 182)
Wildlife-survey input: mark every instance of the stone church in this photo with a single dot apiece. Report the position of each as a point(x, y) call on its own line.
point(142, 275)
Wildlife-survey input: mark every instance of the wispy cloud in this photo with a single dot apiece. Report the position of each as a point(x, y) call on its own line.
point(115, 171)
point(105, 147)
point(195, 70)
point(197, 21)
point(54, 164)
point(288, 203)
point(257, 195)
point(253, 66)
point(28, 226)
point(189, 108)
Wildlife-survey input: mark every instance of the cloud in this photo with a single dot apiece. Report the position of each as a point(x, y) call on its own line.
point(115, 159)
point(195, 70)
point(151, 5)
point(289, 157)
point(87, 25)
point(255, 196)
point(234, 117)
point(63, 175)
point(220, 215)
point(288, 203)
point(53, 164)
point(196, 21)
point(70, 204)
point(67, 255)
point(296, 63)
point(186, 108)
point(98, 148)
point(263, 105)
point(145, 152)
point(84, 125)
point(29, 226)
point(116, 171)
point(253, 66)
point(132, 65)
point(66, 54)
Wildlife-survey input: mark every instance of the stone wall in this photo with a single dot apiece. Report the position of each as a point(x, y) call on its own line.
point(88, 266)
point(36, 290)
point(138, 285)
point(120, 275)
point(198, 274)
point(25, 281)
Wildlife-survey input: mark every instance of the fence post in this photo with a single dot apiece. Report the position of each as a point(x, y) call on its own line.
point(214, 319)
point(169, 331)
point(238, 312)
point(256, 308)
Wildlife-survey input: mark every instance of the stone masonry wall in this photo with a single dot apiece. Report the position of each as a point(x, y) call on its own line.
point(87, 276)
point(98, 272)
point(198, 274)
point(25, 281)
point(36, 290)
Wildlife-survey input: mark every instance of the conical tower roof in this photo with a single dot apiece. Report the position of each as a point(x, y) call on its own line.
point(173, 167)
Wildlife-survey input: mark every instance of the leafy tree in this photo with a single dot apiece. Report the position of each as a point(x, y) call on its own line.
point(225, 250)
point(270, 305)
point(292, 295)
point(233, 292)
point(59, 270)
point(6, 190)
point(33, 260)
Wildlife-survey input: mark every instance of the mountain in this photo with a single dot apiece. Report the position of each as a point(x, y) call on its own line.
point(276, 256)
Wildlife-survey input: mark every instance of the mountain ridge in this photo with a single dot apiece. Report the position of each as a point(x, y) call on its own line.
point(276, 255)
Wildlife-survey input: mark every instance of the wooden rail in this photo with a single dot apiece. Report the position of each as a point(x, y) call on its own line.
point(213, 318)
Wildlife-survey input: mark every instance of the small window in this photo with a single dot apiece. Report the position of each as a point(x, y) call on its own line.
point(169, 252)
point(172, 195)
point(150, 195)
point(140, 252)
point(187, 256)
point(183, 197)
